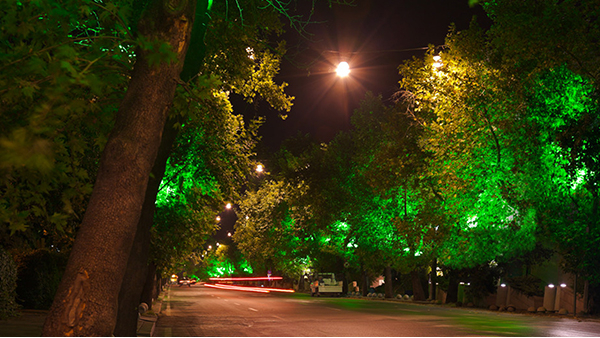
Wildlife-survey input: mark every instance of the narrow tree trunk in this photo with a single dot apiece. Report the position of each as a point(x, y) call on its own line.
point(418, 292)
point(86, 301)
point(452, 296)
point(433, 277)
point(388, 286)
point(148, 291)
point(364, 283)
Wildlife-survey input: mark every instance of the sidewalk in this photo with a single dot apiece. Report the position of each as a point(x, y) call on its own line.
point(28, 324)
point(31, 322)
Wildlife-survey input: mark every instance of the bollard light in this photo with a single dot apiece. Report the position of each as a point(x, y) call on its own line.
point(503, 285)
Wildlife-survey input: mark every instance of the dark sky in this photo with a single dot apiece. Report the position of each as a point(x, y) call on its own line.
point(370, 37)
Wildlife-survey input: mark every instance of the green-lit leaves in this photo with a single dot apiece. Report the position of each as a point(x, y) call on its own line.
point(561, 97)
point(55, 112)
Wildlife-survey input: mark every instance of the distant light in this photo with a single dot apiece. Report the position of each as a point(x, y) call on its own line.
point(218, 218)
point(209, 247)
point(438, 61)
point(563, 285)
point(218, 244)
point(551, 286)
point(229, 234)
point(247, 217)
point(228, 206)
point(503, 285)
point(343, 69)
point(259, 168)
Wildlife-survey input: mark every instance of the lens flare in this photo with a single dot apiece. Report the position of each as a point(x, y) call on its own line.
point(343, 69)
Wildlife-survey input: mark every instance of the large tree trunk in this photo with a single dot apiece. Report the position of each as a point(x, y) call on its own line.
point(137, 266)
point(86, 301)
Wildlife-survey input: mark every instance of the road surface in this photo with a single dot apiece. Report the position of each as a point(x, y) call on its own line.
point(202, 311)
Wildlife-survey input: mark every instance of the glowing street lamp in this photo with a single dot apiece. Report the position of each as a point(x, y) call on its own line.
point(438, 61)
point(218, 218)
point(343, 69)
point(228, 206)
point(259, 168)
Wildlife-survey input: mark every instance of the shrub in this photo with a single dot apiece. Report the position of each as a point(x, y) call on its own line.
point(39, 275)
point(8, 285)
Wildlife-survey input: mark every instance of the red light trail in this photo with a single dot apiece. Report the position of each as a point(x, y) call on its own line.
point(243, 279)
point(247, 288)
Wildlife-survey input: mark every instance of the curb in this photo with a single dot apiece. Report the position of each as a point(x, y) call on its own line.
point(147, 320)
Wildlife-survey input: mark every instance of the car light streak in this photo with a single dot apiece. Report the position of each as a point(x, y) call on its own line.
point(247, 288)
point(279, 290)
point(242, 279)
point(236, 288)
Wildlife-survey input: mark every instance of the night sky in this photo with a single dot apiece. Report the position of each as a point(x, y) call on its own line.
point(373, 38)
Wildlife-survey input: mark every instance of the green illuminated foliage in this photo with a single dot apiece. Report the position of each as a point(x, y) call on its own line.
point(469, 114)
point(267, 231)
point(56, 111)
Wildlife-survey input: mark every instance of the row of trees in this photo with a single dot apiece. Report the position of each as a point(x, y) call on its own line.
point(486, 156)
point(129, 97)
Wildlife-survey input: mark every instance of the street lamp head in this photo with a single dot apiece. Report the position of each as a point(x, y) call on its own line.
point(259, 168)
point(343, 69)
point(228, 206)
point(438, 61)
point(218, 218)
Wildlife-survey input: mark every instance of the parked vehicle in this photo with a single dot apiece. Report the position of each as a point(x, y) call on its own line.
point(325, 284)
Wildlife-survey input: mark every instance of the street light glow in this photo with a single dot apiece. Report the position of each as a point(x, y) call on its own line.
point(343, 69)
point(228, 206)
point(259, 168)
point(438, 61)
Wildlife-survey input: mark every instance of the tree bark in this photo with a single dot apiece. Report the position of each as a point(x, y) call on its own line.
point(137, 266)
point(418, 292)
point(86, 301)
point(388, 286)
point(433, 277)
point(364, 283)
point(148, 286)
point(452, 296)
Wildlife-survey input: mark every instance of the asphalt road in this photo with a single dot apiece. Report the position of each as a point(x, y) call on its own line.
point(202, 311)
